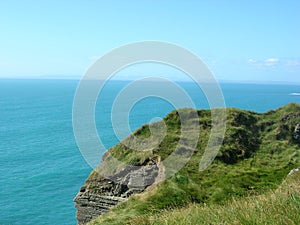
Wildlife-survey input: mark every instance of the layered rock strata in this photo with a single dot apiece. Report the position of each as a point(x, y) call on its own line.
point(100, 194)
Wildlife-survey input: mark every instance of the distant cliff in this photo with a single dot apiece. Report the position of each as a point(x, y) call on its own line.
point(258, 151)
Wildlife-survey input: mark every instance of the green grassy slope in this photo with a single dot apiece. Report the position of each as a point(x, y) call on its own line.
point(281, 206)
point(257, 153)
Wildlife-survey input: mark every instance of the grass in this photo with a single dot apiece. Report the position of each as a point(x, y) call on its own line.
point(274, 207)
point(257, 153)
point(281, 206)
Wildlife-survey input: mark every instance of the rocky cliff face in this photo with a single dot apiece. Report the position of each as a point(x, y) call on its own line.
point(100, 194)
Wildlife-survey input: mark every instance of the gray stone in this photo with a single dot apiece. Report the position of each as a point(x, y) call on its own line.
point(294, 171)
point(100, 194)
point(297, 133)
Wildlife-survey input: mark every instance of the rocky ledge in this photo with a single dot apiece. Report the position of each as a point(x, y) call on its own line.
point(100, 194)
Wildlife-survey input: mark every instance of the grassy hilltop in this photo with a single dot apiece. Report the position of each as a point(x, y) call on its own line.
point(257, 153)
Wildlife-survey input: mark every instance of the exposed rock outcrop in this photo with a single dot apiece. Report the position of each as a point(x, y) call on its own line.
point(297, 133)
point(90, 205)
point(294, 171)
point(100, 194)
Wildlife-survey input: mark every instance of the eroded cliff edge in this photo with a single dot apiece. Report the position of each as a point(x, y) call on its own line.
point(101, 191)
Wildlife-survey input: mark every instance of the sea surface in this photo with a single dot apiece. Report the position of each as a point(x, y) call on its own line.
point(41, 167)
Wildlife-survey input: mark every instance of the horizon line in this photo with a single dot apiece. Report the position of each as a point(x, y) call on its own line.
point(77, 78)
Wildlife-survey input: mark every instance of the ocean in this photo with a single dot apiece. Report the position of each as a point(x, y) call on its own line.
point(41, 166)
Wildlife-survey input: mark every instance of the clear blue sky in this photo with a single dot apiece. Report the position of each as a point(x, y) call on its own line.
point(239, 40)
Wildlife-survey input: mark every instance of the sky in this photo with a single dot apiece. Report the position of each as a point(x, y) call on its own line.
point(238, 40)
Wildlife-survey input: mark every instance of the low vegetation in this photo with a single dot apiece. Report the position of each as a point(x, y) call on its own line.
point(274, 207)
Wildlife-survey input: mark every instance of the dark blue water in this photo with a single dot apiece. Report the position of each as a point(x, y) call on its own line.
point(41, 168)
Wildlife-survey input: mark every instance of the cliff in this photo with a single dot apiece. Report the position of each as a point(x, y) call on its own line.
point(100, 194)
point(258, 151)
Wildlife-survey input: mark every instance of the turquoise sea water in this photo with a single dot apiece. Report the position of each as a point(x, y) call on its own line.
point(41, 168)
